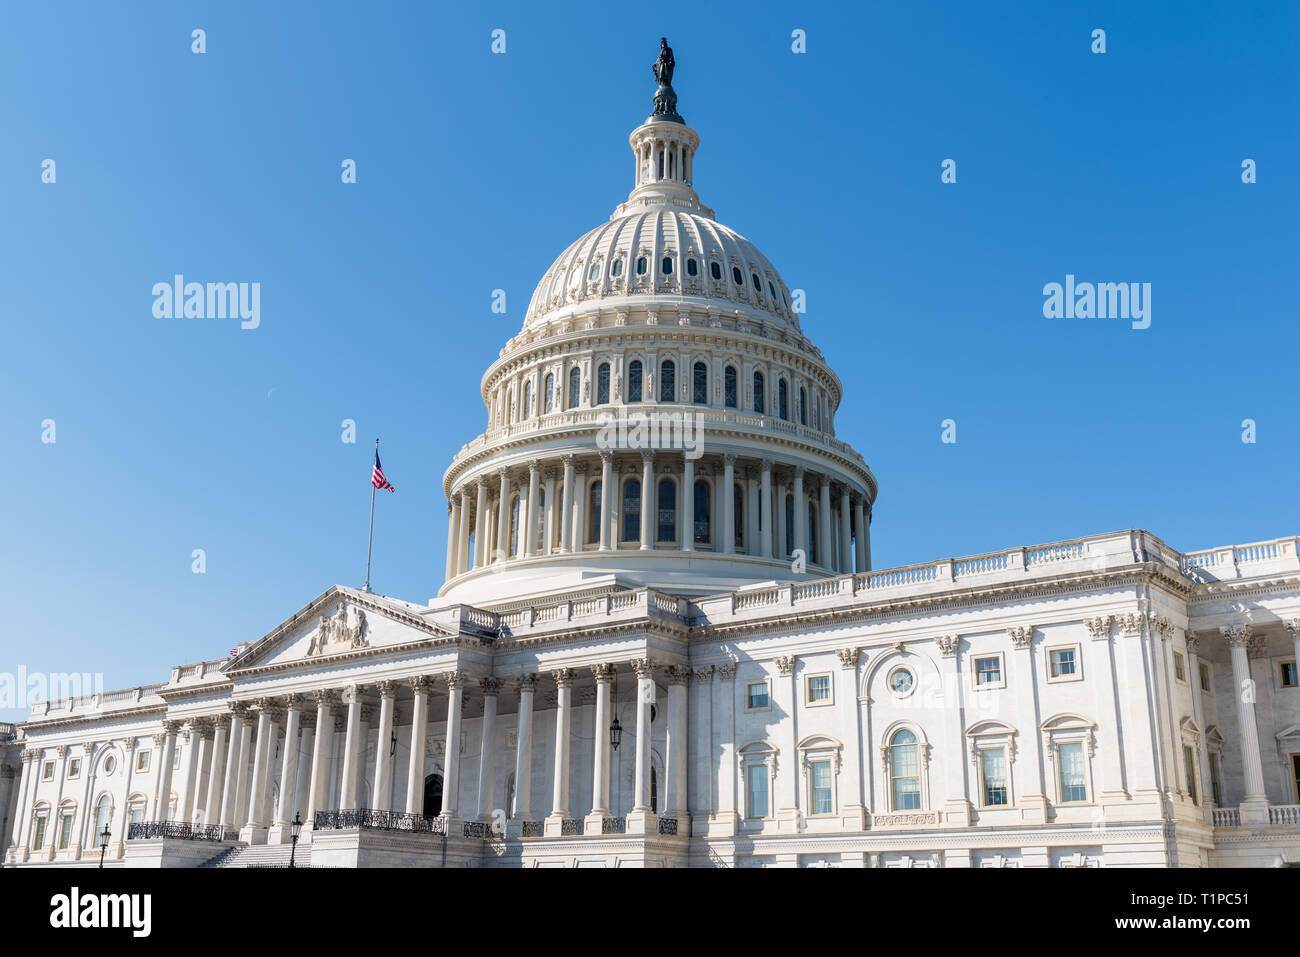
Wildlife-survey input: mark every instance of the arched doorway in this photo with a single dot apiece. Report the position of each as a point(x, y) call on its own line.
point(433, 795)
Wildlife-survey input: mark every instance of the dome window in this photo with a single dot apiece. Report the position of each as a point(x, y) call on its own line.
point(771, 289)
point(758, 286)
point(729, 387)
point(575, 387)
point(692, 267)
point(548, 400)
point(617, 269)
point(602, 384)
point(666, 520)
point(667, 265)
point(640, 266)
point(758, 392)
point(782, 399)
point(594, 272)
point(634, 381)
point(667, 380)
point(803, 406)
point(715, 270)
point(700, 384)
point(736, 277)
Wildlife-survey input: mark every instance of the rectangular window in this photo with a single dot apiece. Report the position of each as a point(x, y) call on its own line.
point(65, 830)
point(819, 773)
point(176, 759)
point(819, 688)
point(1205, 676)
point(74, 768)
point(1062, 662)
point(142, 761)
point(905, 772)
point(1074, 782)
point(1189, 764)
point(38, 832)
point(1287, 674)
point(1180, 669)
point(1295, 771)
point(988, 671)
point(756, 789)
point(757, 692)
point(993, 769)
point(137, 813)
point(1214, 780)
point(47, 771)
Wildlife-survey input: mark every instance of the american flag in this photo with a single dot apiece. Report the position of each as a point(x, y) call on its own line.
point(377, 476)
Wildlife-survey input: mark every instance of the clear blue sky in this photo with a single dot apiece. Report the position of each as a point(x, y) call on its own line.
point(475, 170)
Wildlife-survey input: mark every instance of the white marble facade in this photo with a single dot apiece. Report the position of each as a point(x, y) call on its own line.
point(1103, 701)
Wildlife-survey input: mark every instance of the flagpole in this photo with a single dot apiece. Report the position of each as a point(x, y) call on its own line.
point(371, 543)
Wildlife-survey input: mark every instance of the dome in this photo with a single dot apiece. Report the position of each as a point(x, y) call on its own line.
point(660, 251)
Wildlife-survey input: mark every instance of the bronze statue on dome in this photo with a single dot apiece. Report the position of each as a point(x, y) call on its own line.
point(665, 96)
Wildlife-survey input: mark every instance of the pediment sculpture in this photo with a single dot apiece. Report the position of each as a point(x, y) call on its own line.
point(334, 632)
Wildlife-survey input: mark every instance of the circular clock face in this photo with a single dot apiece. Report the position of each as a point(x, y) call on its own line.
point(901, 681)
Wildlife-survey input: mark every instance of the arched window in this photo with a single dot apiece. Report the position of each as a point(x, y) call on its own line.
point(803, 406)
point(549, 398)
point(667, 380)
point(514, 526)
point(700, 384)
point(729, 387)
point(782, 400)
point(575, 387)
point(692, 267)
point(758, 287)
point(789, 525)
point(758, 392)
point(667, 265)
point(667, 511)
point(632, 510)
point(594, 516)
point(432, 795)
point(736, 277)
point(772, 290)
point(616, 270)
point(528, 399)
point(738, 513)
point(510, 405)
point(702, 525)
point(715, 270)
point(904, 772)
point(539, 533)
point(103, 814)
point(594, 272)
point(812, 533)
point(602, 384)
point(640, 266)
point(634, 381)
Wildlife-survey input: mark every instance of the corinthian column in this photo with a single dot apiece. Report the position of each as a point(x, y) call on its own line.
point(318, 795)
point(860, 523)
point(353, 749)
point(1254, 807)
point(566, 507)
point(503, 517)
point(608, 501)
point(530, 521)
point(451, 757)
point(285, 811)
point(524, 752)
point(728, 495)
point(216, 771)
point(642, 820)
point(462, 533)
point(800, 516)
point(846, 534)
point(491, 687)
point(383, 783)
point(765, 510)
point(649, 500)
point(688, 504)
point(419, 730)
point(605, 676)
point(480, 529)
point(563, 722)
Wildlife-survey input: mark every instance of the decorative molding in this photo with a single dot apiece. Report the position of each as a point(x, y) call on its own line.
point(848, 658)
point(785, 665)
point(1022, 636)
point(1099, 628)
point(948, 645)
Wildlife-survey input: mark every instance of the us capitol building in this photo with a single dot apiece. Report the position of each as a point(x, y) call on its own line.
point(661, 641)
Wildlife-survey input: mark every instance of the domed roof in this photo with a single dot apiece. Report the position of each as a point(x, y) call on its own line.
point(663, 250)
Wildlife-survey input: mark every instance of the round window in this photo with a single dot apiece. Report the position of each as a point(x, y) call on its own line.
point(110, 763)
point(901, 682)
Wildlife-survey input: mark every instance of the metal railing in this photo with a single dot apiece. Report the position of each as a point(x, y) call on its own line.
point(531, 829)
point(613, 825)
point(668, 825)
point(371, 820)
point(475, 829)
point(179, 831)
point(570, 827)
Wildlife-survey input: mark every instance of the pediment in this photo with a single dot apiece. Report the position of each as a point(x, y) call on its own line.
point(340, 622)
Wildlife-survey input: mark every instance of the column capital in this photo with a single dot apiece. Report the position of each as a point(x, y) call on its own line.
point(799, 473)
point(678, 674)
point(1193, 642)
point(948, 645)
point(238, 709)
point(527, 683)
point(848, 658)
point(387, 689)
point(352, 694)
point(454, 680)
point(128, 745)
point(422, 684)
point(534, 467)
point(62, 749)
point(325, 697)
point(88, 748)
point(644, 667)
point(490, 686)
point(292, 702)
point(220, 722)
point(1236, 635)
point(727, 671)
point(1022, 636)
point(729, 458)
point(564, 677)
point(568, 459)
point(171, 726)
point(648, 456)
point(703, 673)
point(1292, 625)
point(606, 456)
point(604, 672)
point(785, 665)
point(1099, 628)
point(766, 465)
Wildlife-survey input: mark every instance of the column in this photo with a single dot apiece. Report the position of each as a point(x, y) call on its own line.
point(1254, 807)
point(846, 534)
point(751, 512)
point(26, 802)
point(956, 806)
point(163, 798)
point(1203, 771)
point(608, 500)
point(123, 815)
point(216, 770)
point(419, 730)
point(605, 676)
point(765, 509)
point(649, 500)
point(777, 521)
point(724, 721)
point(728, 504)
point(853, 811)
point(800, 516)
point(785, 698)
point(503, 517)
point(383, 783)
point(826, 547)
point(352, 745)
point(191, 765)
point(289, 774)
point(302, 787)
point(242, 774)
point(860, 523)
point(320, 759)
point(524, 751)
point(490, 687)
point(566, 508)
point(866, 540)
point(261, 755)
point(453, 515)
point(1034, 797)
point(642, 819)
point(675, 765)
point(451, 761)
point(235, 759)
point(462, 533)
point(687, 510)
point(1110, 776)
point(548, 532)
point(530, 522)
point(480, 532)
point(560, 784)
point(580, 509)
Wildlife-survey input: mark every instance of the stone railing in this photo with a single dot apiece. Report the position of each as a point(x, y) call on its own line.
point(1241, 561)
point(1226, 817)
point(179, 831)
point(1284, 814)
point(367, 819)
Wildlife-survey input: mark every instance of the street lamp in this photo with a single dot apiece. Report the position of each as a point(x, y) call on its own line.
point(103, 843)
point(295, 828)
point(615, 726)
point(392, 745)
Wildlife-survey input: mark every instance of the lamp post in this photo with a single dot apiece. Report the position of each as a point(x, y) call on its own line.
point(295, 829)
point(615, 726)
point(103, 844)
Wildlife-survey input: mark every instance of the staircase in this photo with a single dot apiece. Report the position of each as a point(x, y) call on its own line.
point(261, 855)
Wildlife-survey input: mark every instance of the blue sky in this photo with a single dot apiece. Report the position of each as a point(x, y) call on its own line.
point(475, 170)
